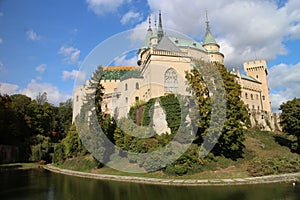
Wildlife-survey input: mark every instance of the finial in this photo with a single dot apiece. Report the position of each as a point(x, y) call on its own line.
point(149, 21)
point(207, 22)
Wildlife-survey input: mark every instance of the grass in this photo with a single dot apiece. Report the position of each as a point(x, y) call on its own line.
point(259, 146)
point(19, 165)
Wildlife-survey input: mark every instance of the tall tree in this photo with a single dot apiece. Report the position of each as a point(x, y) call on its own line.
point(290, 119)
point(203, 83)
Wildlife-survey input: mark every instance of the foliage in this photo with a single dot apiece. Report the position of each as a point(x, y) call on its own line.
point(201, 80)
point(41, 149)
point(148, 112)
point(172, 108)
point(290, 119)
point(72, 144)
point(189, 162)
point(277, 165)
point(33, 125)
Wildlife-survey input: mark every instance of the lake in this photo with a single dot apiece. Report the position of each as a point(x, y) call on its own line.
point(41, 184)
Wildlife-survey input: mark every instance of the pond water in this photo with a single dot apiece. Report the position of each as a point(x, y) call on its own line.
point(41, 184)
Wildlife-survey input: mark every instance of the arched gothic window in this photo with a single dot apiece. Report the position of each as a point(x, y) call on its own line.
point(171, 81)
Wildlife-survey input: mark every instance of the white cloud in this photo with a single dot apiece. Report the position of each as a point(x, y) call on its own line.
point(131, 17)
point(100, 7)
point(1, 40)
point(53, 94)
point(246, 29)
point(73, 75)
point(284, 82)
point(33, 36)
point(41, 68)
point(122, 61)
point(70, 53)
point(7, 88)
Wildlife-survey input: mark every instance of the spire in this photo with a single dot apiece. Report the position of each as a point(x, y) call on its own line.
point(146, 43)
point(160, 32)
point(209, 38)
point(149, 28)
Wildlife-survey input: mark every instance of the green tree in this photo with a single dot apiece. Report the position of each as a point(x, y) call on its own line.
point(72, 144)
point(290, 119)
point(205, 86)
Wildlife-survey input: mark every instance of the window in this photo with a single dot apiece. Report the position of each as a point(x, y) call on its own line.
point(77, 98)
point(253, 107)
point(137, 86)
point(126, 87)
point(251, 96)
point(263, 97)
point(262, 116)
point(246, 95)
point(257, 76)
point(256, 96)
point(137, 98)
point(257, 107)
point(126, 99)
point(171, 81)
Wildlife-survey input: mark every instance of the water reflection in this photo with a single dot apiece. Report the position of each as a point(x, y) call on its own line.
point(40, 184)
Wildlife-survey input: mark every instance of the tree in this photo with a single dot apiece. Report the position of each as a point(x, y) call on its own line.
point(290, 119)
point(207, 89)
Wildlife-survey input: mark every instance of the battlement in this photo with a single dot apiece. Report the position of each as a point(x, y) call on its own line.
point(255, 65)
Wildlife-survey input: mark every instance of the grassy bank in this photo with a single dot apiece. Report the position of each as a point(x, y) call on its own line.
point(265, 153)
point(19, 165)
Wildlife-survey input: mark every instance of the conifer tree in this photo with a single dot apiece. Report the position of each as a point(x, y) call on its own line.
point(203, 83)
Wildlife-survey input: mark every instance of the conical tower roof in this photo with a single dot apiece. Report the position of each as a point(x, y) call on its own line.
point(148, 36)
point(209, 38)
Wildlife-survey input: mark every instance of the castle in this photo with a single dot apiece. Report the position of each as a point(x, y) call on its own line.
point(162, 63)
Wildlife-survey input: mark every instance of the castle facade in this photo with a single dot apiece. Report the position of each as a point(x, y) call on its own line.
point(162, 63)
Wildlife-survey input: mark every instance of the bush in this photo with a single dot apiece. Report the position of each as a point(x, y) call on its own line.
point(270, 166)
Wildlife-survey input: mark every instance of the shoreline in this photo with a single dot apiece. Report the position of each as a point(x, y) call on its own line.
point(293, 177)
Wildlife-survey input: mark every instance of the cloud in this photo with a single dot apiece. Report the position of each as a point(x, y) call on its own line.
point(73, 75)
point(284, 83)
point(245, 29)
point(41, 68)
point(33, 36)
point(1, 40)
point(53, 94)
point(7, 88)
point(70, 53)
point(131, 17)
point(123, 61)
point(100, 7)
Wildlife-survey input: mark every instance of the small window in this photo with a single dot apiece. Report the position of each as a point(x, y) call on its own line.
point(246, 95)
point(126, 87)
point(251, 96)
point(257, 76)
point(126, 99)
point(253, 107)
point(77, 98)
point(262, 116)
point(137, 98)
point(137, 86)
point(256, 96)
point(263, 97)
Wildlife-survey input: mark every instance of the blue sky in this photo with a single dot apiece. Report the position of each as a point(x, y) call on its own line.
point(44, 43)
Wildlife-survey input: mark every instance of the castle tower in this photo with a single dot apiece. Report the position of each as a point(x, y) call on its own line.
point(212, 47)
point(258, 69)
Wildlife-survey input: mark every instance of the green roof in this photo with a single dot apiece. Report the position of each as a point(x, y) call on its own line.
point(209, 38)
point(180, 42)
point(249, 78)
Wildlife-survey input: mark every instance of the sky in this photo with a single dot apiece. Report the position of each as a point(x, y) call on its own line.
point(43, 44)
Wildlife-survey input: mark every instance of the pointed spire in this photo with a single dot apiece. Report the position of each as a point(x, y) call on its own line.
point(149, 29)
point(160, 32)
point(209, 38)
point(148, 35)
